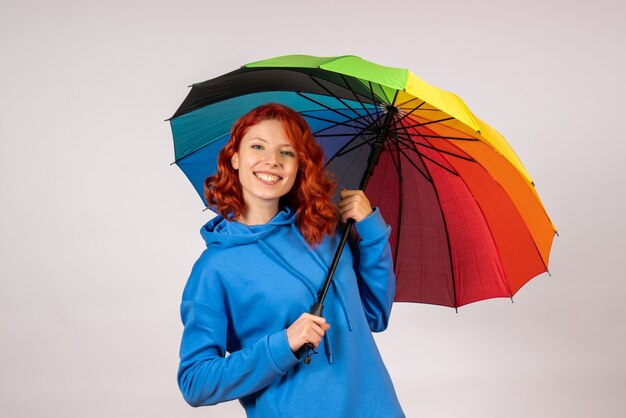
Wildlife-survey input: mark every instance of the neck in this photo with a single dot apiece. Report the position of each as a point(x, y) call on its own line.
point(258, 216)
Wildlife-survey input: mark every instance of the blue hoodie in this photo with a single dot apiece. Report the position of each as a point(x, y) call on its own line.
point(250, 285)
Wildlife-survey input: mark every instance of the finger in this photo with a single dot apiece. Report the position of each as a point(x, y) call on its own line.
point(315, 332)
point(348, 192)
point(345, 213)
point(344, 209)
point(316, 319)
point(315, 344)
point(358, 214)
point(321, 328)
point(353, 208)
point(312, 338)
point(358, 201)
point(348, 201)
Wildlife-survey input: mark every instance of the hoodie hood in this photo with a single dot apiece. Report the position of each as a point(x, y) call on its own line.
point(222, 232)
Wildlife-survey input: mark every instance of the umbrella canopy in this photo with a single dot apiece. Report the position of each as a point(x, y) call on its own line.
point(467, 223)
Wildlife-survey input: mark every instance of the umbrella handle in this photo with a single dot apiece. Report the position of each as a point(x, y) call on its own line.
point(308, 349)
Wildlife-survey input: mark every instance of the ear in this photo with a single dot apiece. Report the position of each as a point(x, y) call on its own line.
point(234, 161)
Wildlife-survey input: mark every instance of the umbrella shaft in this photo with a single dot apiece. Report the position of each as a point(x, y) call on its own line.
point(372, 160)
point(377, 147)
point(371, 164)
point(318, 307)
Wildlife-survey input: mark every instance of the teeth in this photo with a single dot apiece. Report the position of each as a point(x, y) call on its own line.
point(269, 178)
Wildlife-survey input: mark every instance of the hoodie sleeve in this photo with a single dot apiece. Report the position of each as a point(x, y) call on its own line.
point(377, 282)
point(206, 374)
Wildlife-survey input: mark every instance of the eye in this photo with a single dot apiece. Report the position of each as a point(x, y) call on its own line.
point(256, 146)
point(289, 153)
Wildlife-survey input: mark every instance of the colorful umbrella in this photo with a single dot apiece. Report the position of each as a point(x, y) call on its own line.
point(467, 223)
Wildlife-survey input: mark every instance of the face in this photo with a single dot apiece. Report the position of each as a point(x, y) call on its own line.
point(267, 165)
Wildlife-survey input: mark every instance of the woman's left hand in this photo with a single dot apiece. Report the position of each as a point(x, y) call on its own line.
point(354, 204)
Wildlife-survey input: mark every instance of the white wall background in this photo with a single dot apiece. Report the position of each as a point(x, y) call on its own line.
point(98, 233)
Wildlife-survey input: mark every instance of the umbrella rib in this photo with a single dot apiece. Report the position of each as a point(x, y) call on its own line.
point(398, 166)
point(345, 80)
point(374, 98)
point(329, 135)
point(430, 180)
point(434, 148)
point(340, 152)
point(427, 123)
point(327, 107)
point(344, 147)
point(454, 138)
point(447, 152)
point(395, 96)
point(346, 144)
point(445, 228)
point(408, 101)
point(385, 94)
point(414, 149)
point(407, 114)
point(336, 123)
point(333, 95)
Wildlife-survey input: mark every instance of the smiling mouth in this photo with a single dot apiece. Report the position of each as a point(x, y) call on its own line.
point(268, 178)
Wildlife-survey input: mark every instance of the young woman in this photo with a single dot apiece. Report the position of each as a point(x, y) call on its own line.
point(245, 304)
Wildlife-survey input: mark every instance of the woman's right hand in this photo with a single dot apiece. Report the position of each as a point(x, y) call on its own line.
point(306, 329)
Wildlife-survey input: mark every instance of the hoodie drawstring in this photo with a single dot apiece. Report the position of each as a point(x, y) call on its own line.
point(275, 256)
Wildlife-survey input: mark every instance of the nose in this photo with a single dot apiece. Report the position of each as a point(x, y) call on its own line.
point(273, 159)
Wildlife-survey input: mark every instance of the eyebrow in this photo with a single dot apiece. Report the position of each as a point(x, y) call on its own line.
point(267, 142)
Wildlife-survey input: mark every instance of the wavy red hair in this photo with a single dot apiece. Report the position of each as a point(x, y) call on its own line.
point(310, 196)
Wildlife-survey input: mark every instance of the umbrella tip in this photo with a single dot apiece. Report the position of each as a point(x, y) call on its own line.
point(512, 299)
